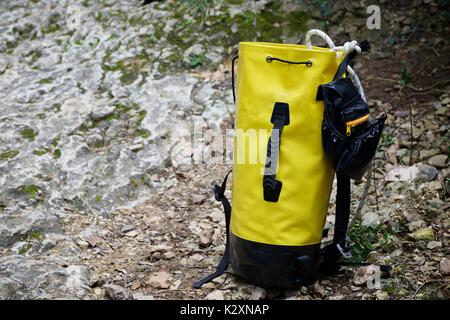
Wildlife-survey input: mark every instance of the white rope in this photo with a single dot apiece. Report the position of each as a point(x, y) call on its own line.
point(346, 48)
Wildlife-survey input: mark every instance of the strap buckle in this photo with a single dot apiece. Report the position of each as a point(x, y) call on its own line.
point(346, 253)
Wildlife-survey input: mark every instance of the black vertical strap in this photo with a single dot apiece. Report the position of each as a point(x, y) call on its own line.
point(219, 193)
point(342, 209)
point(271, 186)
point(342, 68)
point(364, 45)
point(332, 252)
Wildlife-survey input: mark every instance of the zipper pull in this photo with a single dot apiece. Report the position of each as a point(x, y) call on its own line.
point(349, 130)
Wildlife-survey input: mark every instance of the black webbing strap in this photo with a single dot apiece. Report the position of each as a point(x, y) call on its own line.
point(364, 45)
point(332, 252)
point(219, 193)
point(342, 209)
point(280, 118)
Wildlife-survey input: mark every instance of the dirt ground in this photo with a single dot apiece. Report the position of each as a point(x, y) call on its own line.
point(177, 235)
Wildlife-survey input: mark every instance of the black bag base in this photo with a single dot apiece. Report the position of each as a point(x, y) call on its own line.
point(274, 266)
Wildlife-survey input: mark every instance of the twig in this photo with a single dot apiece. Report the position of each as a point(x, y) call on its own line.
point(376, 190)
point(362, 201)
point(409, 37)
point(411, 86)
point(428, 92)
point(381, 79)
point(435, 51)
point(396, 95)
point(427, 282)
point(412, 136)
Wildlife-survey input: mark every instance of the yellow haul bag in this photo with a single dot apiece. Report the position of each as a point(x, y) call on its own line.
point(281, 176)
point(298, 217)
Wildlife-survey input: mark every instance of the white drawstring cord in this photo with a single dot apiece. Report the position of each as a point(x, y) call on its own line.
point(346, 48)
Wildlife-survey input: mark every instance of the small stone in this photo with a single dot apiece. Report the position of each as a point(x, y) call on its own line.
point(360, 276)
point(438, 161)
point(83, 244)
point(434, 244)
point(159, 280)
point(95, 139)
point(197, 257)
point(425, 154)
point(169, 255)
point(99, 293)
point(426, 173)
point(319, 290)
point(136, 285)
point(127, 228)
point(397, 253)
point(215, 295)
point(411, 216)
point(132, 234)
point(157, 256)
point(95, 281)
point(399, 173)
point(258, 293)
point(234, 27)
point(141, 296)
point(176, 284)
point(206, 238)
point(102, 113)
point(93, 240)
point(416, 224)
point(445, 101)
point(115, 292)
point(160, 248)
point(444, 266)
point(422, 234)
point(337, 297)
point(217, 215)
point(198, 199)
point(381, 295)
point(365, 274)
point(137, 147)
point(370, 219)
point(442, 111)
point(401, 113)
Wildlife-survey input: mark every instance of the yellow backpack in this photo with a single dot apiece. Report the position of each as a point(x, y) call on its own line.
point(280, 199)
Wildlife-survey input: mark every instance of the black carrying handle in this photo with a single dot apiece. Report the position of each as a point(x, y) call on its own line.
point(280, 118)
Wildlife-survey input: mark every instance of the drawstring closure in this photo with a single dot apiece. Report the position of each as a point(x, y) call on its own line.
point(308, 63)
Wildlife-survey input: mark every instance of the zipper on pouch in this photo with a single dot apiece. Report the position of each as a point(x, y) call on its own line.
point(350, 124)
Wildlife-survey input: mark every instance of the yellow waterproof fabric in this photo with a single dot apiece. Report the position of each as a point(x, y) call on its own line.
point(298, 217)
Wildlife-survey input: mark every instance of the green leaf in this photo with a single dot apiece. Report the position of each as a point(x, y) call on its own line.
point(406, 77)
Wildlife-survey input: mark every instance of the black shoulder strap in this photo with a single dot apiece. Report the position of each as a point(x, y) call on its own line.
point(219, 193)
point(343, 65)
point(364, 45)
point(332, 252)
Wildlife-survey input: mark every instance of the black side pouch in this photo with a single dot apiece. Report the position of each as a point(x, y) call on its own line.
point(349, 138)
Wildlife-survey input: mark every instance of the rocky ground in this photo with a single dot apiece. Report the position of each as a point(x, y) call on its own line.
point(98, 99)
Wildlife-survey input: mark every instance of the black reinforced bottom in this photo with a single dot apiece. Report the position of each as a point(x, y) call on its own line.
point(274, 266)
